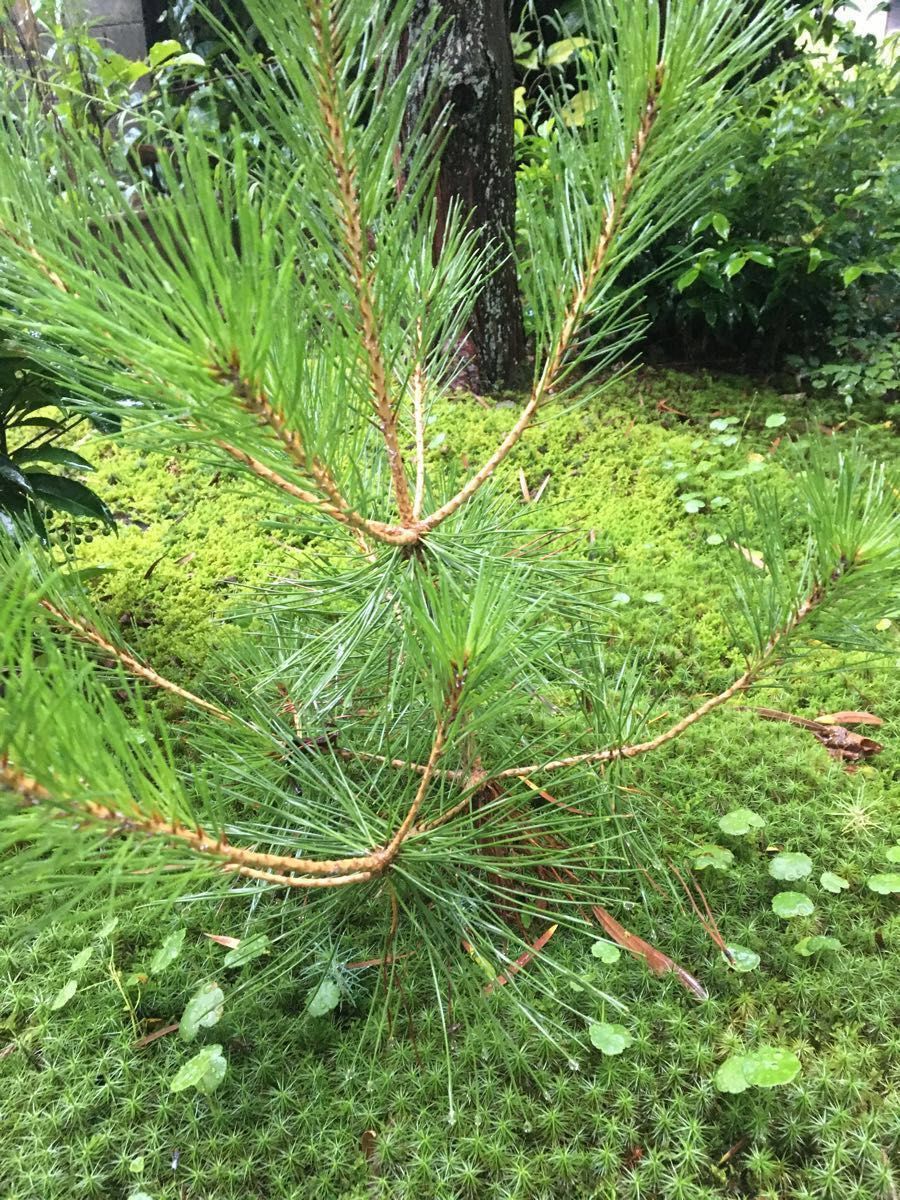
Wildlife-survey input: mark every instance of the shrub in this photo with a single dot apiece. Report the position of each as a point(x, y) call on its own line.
point(369, 764)
point(798, 249)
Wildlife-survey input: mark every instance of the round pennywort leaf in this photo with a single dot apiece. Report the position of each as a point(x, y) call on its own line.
point(789, 867)
point(792, 904)
point(205, 1071)
point(740, 821)
point(819, 944)
point(204, 1009)
point(716, 857)
point(743, 960)
point(610, 1039)
point(833, 883)
point(885, 884)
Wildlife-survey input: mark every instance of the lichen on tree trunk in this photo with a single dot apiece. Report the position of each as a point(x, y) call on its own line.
point(471, 65)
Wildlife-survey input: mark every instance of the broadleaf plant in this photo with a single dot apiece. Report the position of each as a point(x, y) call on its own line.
point(365, 769)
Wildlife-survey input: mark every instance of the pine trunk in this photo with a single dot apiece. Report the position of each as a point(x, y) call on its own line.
point(471, 62)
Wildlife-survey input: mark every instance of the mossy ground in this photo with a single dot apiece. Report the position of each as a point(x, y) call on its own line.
point(84, 1113)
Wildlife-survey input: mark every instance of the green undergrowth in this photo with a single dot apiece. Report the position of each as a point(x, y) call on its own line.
point(85, 1113)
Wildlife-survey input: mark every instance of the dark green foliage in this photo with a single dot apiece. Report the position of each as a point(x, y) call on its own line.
point(35, 415)
point(796, 259)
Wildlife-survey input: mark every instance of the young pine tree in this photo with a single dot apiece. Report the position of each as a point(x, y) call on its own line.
point(366, 765)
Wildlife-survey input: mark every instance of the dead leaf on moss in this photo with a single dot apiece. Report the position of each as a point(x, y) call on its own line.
point(841, 743)
point(849, 718)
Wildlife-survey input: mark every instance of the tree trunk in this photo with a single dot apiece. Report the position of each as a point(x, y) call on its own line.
point(471, 63)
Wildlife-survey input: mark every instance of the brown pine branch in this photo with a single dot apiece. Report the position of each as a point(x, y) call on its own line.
point(417, 386)
point(87, 633)
point(572, 318)
point(224, 853)
point(331, 501)
point(615, 753)
point(356, 248)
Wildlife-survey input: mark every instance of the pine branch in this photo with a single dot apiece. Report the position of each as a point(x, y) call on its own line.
point(219, 850)
point(753, 672)
point(573, 315)
point(417, 386)
point(356, 245)
point(87, 633)
point(254, 401)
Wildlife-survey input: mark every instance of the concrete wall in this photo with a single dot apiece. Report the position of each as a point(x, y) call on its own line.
point(119, 23)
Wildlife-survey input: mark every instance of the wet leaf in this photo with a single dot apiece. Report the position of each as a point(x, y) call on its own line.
point(833, 883)
point(742, 959)
point(610, 1039)
point(819, 944)
point(787, 866)
point(64, 995)
point(205, 1071)
point(884, 885)
point(792, 904)
point(247, 950)
point(606, 952)
point(771, 1066)
point(203, 1010)
point(81, 959)
point(325, 998)
point(167, 952)
point(730, 1076)
point(716, 857)
point(740, 821)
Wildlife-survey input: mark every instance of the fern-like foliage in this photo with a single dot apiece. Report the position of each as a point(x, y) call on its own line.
point(369, 747)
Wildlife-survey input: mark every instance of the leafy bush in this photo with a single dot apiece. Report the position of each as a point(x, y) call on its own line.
point(31, 454)
point(799, 248)
point(375, 740)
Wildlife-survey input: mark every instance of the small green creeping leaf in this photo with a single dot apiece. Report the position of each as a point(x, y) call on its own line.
point(833, 883)
point(621, 598)
point(653, 598)
point(730, 1076)
point(64, 995)
point(714, 539)
point(809, 946)
point(205, 1071)
point(168, 952)
point(792, 904)
point(884, 885)
point(610, 1039)
point(248, 949)
point(774, 420)
point(893, 854)
point(81, 959)
point(740, 821)
point(716, 857)
point(606, 952)
point(139, 1196)
point(326, 997)
point(203, 1010)
point(790, 866)
point(769, 1066)
point(742, 960)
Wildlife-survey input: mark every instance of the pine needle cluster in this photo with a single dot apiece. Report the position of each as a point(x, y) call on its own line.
point(367, 765)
